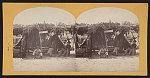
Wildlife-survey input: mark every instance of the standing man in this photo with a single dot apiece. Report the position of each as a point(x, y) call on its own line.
point(133, 47)
point(68, 47)
point(116, 42)
point(50, 50)
point(89, 45)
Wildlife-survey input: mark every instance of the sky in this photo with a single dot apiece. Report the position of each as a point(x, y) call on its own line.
point(104, 14)
point(56, 15)
point(41, 14)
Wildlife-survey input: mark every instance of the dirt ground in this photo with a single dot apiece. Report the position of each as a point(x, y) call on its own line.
point(72, 64)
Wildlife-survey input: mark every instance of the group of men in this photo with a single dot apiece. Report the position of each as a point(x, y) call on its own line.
point(122, 46)
point(56, 47)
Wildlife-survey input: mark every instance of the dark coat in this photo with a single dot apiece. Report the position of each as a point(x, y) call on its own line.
point(34, 38)
point(31, 39)
point(121, 42)
point(55, 42)
point(98, 38)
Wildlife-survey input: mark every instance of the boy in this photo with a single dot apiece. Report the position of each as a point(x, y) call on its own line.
point(106, 53)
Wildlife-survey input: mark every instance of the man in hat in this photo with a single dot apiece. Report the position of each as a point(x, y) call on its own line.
point(68, 46)
point(133, 47)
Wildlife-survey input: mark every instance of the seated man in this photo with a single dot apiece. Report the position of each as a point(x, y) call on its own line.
point(62, 52)
point(127, 51)
point(132, 49)
point(103, 52)
point(50, 51)
point(37, 53)
point(116, 50)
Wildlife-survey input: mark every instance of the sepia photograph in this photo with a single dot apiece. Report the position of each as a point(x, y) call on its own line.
point(101, 39)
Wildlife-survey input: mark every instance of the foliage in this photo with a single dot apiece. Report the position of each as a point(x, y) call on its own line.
point(81, 28)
